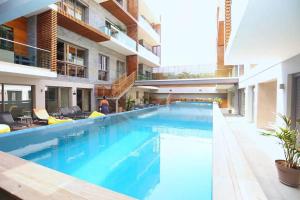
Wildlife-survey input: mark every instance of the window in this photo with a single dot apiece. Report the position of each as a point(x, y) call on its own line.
point(137, 94)
point(121, 69)
point(6, 33)
point(103, 68)
point(17, 99)
point(75, 9)
point(71, 60)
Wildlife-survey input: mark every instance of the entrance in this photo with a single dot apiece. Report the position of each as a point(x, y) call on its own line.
point(84, 99)
point(266, 104)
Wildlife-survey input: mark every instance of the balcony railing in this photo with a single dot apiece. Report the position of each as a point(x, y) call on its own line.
point(165, 75)
point(70, 69)
point(147, 27)
point(146, 53)
point(120, 36)
point(24, 54)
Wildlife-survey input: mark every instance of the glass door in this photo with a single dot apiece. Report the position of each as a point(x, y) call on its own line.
point(52, 99)
point(121, 69)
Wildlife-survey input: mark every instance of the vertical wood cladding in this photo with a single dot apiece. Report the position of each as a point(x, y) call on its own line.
point(132, 31)
point(133, 8)
point(20, 35)
point(220, 44)
point(132, 64)
point(47, 34)
point(227, 21)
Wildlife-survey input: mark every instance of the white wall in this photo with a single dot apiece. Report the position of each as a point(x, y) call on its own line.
point(280, 72)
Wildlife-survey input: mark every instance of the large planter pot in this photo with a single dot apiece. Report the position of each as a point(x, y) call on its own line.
point(287, 176)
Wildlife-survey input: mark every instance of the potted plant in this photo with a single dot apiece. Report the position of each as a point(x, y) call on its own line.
point(218, 100)
point(129, 103)
point(288, 169)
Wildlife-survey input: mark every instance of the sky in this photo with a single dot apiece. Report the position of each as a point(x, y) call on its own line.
point(188, 31)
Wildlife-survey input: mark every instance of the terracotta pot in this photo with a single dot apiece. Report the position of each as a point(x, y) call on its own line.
point(287, 176)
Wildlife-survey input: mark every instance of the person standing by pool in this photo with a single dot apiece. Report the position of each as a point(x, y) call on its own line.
point(104, 106)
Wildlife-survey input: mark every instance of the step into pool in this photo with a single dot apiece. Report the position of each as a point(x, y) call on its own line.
point(162, 153)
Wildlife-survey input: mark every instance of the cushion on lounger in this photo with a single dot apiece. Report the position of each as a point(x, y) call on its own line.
point(96, 114)
point(4, 128)
point(53, 120)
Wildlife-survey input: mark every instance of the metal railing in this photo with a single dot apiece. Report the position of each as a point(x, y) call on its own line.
point(70, 69)
point(24, 54)
point(120, 36)
point(148, 54)
point(220, 73)
point(147, 26)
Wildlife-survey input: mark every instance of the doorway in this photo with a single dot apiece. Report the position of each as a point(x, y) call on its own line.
point(266, 104)
point(84, 99)
point(241, 101)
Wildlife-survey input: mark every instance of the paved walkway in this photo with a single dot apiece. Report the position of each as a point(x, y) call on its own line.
point(260, 152)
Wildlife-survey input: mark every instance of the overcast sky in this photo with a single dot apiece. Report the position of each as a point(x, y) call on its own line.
point(188, 31)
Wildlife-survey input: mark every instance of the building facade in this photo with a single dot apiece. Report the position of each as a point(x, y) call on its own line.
point(265, 40)
point(74, 51)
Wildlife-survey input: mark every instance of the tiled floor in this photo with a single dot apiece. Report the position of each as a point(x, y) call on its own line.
point(260, 152)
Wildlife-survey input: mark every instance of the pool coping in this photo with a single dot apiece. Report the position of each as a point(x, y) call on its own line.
point(79, 121)
point(232, 177)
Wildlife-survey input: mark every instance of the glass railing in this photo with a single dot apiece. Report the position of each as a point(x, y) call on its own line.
point(70, 69)
point(146, 53)
point(120, 36)
point(23, 54)
point(147, 27)
point(164, 75)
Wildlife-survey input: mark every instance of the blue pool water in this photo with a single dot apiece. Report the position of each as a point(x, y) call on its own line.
point(161, 154)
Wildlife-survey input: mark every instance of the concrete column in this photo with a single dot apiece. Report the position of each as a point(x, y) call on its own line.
point(235, 99)
point(117, 106)
point(94, 102)
point(73, 96)
point(39, 96)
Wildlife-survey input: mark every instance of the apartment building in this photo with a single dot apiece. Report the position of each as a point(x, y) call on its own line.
point(264, 37)
point(74, 51)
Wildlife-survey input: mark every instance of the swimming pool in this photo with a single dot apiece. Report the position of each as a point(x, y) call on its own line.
point(158, 153)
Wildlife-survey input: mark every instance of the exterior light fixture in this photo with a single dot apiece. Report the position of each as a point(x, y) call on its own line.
point(281, 86)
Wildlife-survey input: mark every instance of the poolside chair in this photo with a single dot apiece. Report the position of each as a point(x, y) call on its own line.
point(6, 118)
point(79, 113)
point(67, 112)
point(43, 116)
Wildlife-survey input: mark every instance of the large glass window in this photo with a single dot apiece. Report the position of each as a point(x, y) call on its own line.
point(103, 68)
point(71, 60)
point(74, 8)
point(17, 99)
point(6, 33)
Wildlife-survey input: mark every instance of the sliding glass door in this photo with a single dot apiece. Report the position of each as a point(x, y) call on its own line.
point(16, 99)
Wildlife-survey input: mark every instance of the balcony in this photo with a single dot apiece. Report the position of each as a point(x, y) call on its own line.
point(117, 10)
point(147, 32)
point(21, 59)
point(147, 57)
point(78, 26)
point(69, 69)
point(119, 41)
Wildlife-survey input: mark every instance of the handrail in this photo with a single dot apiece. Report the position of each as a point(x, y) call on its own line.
point(118, 86)
point(24, 44)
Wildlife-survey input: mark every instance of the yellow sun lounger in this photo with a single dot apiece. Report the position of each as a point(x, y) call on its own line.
point(4, 128)
point(96, 114)
point(53, 120)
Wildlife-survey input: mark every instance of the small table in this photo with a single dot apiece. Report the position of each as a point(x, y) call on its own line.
point(25, 119)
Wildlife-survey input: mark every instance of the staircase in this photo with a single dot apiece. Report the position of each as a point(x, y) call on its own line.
point(118, 88)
